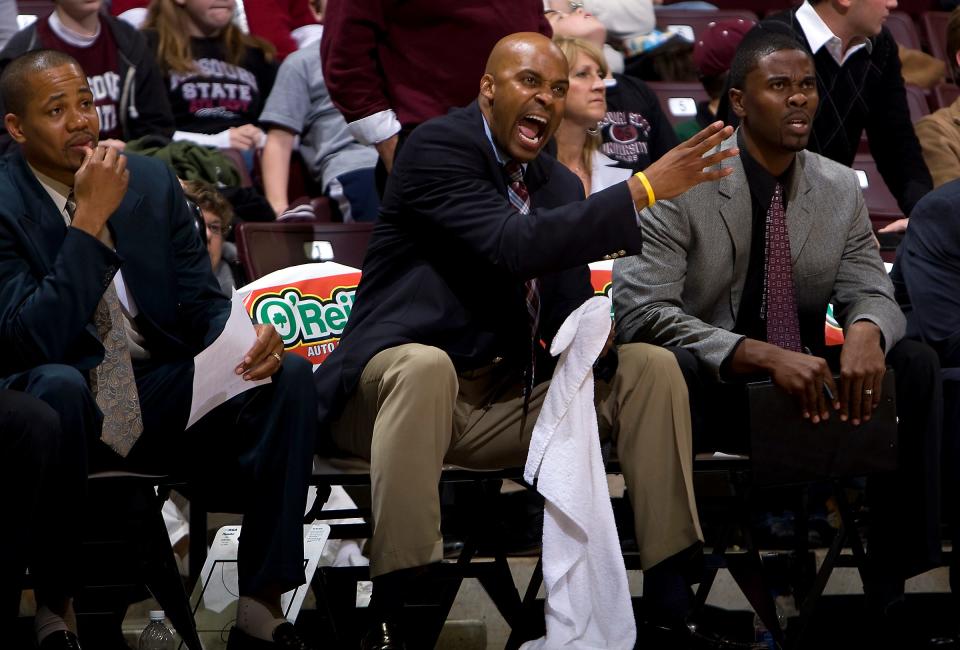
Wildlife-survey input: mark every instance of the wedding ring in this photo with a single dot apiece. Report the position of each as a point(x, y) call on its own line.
point(868, 391)
point(276, 356)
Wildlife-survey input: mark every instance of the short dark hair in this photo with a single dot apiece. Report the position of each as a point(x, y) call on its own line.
point(758, 43)
point(15, 81)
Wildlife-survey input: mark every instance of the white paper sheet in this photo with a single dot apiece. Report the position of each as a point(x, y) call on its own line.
point(214, 379)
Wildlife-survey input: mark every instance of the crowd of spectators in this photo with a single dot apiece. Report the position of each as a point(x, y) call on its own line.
point(429, 118)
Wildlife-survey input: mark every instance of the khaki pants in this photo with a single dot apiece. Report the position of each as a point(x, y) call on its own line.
point(412, 412)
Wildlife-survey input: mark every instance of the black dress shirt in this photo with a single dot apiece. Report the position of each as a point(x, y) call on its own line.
point(750, 321)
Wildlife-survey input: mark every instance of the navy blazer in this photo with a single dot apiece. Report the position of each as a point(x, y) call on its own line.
point(449, 256)
point(926, 275)
point(52, 277)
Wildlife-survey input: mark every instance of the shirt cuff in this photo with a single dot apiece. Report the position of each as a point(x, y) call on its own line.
point(374, 129)
point(306, 34)
point(220, 140)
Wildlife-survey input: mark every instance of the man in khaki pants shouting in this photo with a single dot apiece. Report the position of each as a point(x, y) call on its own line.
point(479, 255)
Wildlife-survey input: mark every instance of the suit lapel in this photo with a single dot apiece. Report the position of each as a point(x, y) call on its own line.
point(736, 209)
point(42, 222)
point(799, 218)
point(124, 228)
point(478, 132)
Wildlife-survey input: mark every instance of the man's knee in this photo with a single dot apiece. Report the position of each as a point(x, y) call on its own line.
point(422, 367)
point(29, 425)
point(646, 359)
point(62, 387)
point(914, 360)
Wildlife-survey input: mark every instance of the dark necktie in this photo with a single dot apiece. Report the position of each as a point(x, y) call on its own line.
point(520, 199)
point(779, 295)
point(112, 382)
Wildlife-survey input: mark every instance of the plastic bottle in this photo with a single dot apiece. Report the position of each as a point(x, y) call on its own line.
point(761, 635)
point(156, 636)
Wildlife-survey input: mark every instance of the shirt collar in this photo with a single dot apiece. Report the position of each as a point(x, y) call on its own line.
point(499, 154)
point(819, 35)
point(57, 190)
point(761, 182)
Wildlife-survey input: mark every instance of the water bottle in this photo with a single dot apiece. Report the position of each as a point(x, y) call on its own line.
point(156, 636)
point(762, 637)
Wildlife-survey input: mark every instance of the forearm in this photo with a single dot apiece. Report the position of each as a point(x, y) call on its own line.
point(752, 356)
point(276, 168)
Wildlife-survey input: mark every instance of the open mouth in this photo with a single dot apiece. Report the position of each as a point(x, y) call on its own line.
point(531, 129)
point(798, 124)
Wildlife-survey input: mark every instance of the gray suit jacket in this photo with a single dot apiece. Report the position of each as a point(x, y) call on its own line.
point(685, 288)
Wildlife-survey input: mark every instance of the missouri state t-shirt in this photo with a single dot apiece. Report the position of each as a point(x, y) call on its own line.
point(217, 95)
point(101, 62)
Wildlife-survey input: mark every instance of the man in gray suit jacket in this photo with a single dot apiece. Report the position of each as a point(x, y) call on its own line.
point(737, 275)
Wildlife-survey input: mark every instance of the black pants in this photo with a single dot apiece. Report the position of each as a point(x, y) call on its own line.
point(251, 455)
point(43, 473)
point(904, 533)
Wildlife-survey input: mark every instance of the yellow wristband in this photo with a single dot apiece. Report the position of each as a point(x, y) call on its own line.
point(651, 197)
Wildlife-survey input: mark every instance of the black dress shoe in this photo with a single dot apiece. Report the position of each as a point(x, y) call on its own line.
point(285, 637)
point(60, 640)
point(385, 636)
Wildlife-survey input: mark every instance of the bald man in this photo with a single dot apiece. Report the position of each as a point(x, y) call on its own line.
point(467, 272)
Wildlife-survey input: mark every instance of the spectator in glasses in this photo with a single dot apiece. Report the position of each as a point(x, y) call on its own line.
point(218, 218)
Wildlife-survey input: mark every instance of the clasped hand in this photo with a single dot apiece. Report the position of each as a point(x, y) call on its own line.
point(809, 379)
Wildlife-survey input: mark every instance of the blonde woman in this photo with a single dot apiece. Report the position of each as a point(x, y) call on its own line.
point(578, 137)
point(217, 77)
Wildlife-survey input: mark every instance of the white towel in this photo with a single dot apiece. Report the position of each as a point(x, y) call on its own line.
point(588, 600)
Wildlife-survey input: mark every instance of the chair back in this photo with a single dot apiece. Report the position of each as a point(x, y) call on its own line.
point(266, 247)
point(679, 99)
point(946, 94)
point(904, 30)
point(934, 25)
point(917, 102)
point(236, 157)
point(881, 204)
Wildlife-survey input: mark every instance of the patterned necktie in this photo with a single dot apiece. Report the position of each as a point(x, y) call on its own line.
point(520, 199)
point(112, 382)
point(779, 297)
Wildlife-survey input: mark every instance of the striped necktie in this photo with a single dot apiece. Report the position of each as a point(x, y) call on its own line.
point(112, 382)
point(779, 294)
point(520, 199)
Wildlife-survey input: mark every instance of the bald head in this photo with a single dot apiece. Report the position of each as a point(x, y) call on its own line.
point(522, 93)
point(514, 45)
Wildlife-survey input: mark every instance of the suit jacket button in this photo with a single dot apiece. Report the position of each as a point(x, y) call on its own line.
point(607, 257)
point(497, 360)
point(623, 252)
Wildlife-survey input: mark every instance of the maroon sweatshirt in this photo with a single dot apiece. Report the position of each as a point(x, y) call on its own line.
point(419, 57)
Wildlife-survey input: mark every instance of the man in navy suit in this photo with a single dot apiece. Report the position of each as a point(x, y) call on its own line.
point(925, 278)
point(106, 295)
point(438, 362)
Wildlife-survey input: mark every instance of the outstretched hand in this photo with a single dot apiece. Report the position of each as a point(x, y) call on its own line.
point(683, 166)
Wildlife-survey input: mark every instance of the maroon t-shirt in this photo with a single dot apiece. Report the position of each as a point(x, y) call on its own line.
point(102, 66)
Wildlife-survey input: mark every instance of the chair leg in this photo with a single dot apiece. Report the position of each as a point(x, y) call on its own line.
point(747, 570)
point(529, 625)
point(164, 580)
